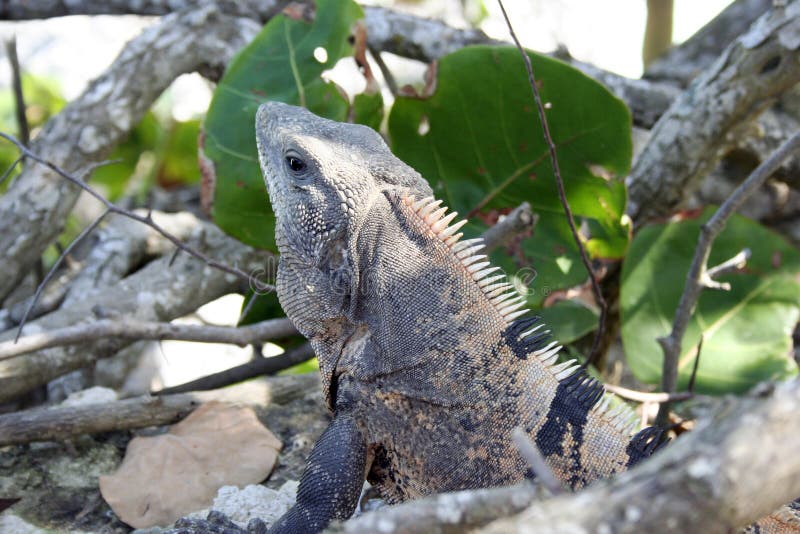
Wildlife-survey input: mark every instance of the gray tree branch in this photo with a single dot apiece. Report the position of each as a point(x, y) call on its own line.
point(64, 422)
point(36, 205)
point(682, 63)
point(702, 124)
point(699, 276)
point(125, 328)
point(739, 465)
point(161, 291)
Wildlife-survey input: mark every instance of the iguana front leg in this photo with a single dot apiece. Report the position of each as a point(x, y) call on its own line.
point(332, 481)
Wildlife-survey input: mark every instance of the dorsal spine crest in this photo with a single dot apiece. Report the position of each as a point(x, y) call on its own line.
point(502, 296)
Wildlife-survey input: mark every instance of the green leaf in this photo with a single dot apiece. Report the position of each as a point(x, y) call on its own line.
point(568, 320)
point(368, 109)
point(747, 329)
point(278, 65)
point(178, 154)
point(479, 142)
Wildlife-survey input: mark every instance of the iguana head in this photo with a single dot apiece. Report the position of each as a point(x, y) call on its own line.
point(321, 176)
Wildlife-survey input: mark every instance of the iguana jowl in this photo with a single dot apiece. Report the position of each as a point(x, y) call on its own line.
point(428, 360)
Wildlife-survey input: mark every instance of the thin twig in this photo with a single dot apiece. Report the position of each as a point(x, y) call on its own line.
point(10, 169)
point(59, 423)
point(698, 274)
point(736, 263)
point(647, 397)
point(128, 328)
point(521, 219)
point(256, 367)
point(562, 195)
point(698, 351)
point(113, 208)
point(19, 96)
point(86, 231)
point(528, 450)
point(391, 83)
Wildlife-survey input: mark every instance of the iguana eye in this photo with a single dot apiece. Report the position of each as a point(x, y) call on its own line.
point(295, 163)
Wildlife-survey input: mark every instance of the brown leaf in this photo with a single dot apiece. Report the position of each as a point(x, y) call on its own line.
point(168, 476)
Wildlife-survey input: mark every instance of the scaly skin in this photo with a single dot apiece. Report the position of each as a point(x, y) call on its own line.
point(427, 362)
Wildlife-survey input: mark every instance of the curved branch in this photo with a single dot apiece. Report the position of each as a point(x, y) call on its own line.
point(739, 465)
point(38, 202)
point(132, 329)
point(703, 123)
point(64, 422)
point(160, 291)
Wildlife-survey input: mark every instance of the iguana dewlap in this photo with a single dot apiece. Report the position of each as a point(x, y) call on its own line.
point(428, 360)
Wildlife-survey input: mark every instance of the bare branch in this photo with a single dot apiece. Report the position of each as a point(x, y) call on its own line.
point(562, 195)
point(706, 120)
point(447, 512)
point(733, 264)
point(256, 367)
point(86, 231)
point(155, 292)
point(685, 61)
point(644, 396)
point(519, 221)
point(88, 128)
point(136, 330)
point(698, 272)
point(533, 456)
point(43, 9)
point(19, 96)
point(64, 422)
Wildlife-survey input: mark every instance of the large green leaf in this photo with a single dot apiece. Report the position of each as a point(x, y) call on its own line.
point(479, 142)
point(747, 329)
point(280, 64)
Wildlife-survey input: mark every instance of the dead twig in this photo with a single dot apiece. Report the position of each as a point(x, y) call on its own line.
point(551, 146)
point(113, 208)
point(520, 220)
point(63, 422)
point(86, 231)
point(647, 397)
point(528, 450)
point(19, 96)
point(251, 369)
point(133, 329)
point(699, 278)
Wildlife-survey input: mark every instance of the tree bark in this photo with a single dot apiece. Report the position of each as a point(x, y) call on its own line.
point(682, 63)
point(161, 291)
point(65, 422)
point(704, 122)
point(711, 480)
point(36, 205)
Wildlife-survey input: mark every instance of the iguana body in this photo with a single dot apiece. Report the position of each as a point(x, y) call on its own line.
point(428, 361)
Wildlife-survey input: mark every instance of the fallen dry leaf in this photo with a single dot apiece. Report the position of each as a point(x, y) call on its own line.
point(168, 476)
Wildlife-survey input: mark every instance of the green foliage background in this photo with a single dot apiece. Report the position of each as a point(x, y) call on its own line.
point(478, 140)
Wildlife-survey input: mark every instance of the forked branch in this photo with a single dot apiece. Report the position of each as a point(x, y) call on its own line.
point(700, 276)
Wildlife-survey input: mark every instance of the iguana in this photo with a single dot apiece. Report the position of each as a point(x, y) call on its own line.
point(428, 359)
